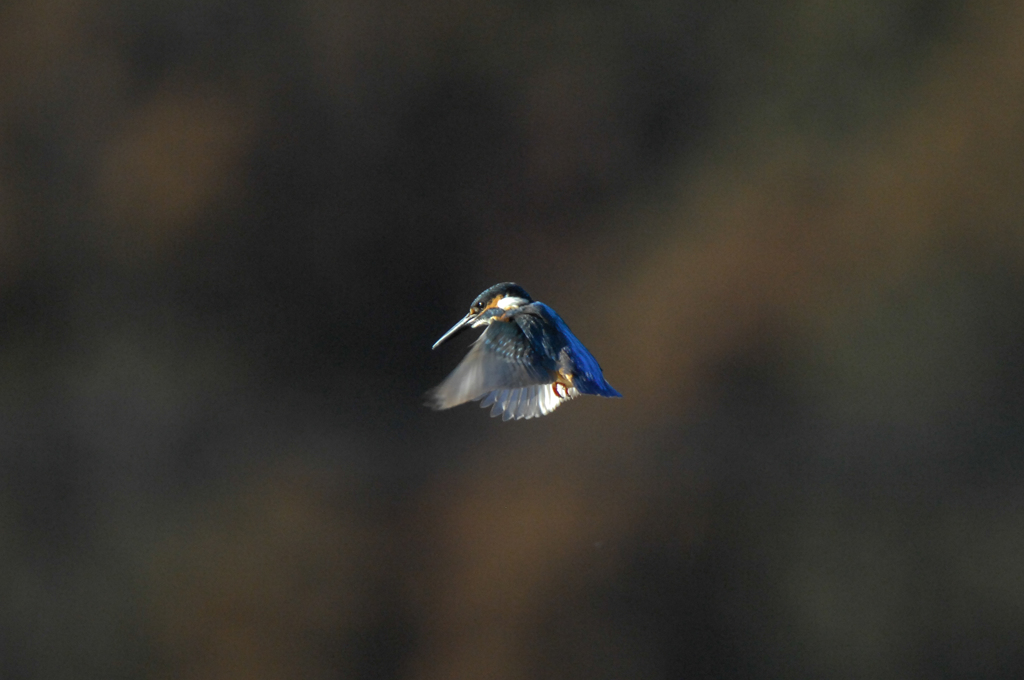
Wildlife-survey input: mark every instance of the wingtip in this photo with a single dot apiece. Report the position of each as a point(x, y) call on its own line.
point(432, 401)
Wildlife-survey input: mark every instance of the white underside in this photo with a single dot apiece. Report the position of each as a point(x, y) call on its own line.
point(527, 402)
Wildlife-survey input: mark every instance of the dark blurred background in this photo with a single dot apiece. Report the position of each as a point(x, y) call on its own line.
point(792, 233)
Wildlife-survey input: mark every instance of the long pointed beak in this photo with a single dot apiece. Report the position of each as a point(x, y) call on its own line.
point(466, 320)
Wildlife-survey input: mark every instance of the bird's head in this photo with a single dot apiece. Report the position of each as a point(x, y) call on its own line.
point(493, 302)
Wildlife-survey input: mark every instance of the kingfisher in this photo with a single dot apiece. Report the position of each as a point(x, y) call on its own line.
point(525, 364)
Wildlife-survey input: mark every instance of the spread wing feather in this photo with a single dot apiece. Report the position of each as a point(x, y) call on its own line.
point(527, 402)
point(501, 360)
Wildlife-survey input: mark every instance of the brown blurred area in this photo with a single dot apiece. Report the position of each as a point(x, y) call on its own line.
point(792, 233)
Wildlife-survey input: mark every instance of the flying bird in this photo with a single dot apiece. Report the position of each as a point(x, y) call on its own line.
point(525, 364)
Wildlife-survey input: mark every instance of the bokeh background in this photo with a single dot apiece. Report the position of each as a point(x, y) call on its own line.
point(792, 233)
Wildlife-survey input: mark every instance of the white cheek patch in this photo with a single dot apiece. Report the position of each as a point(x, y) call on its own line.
point(511, 302)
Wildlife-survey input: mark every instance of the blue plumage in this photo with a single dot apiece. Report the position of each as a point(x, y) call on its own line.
point(584, 369)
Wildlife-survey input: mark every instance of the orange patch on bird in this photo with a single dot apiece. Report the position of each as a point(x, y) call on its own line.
point(493, 303)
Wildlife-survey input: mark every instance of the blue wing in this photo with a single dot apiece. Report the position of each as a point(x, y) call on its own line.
point(583, 367)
